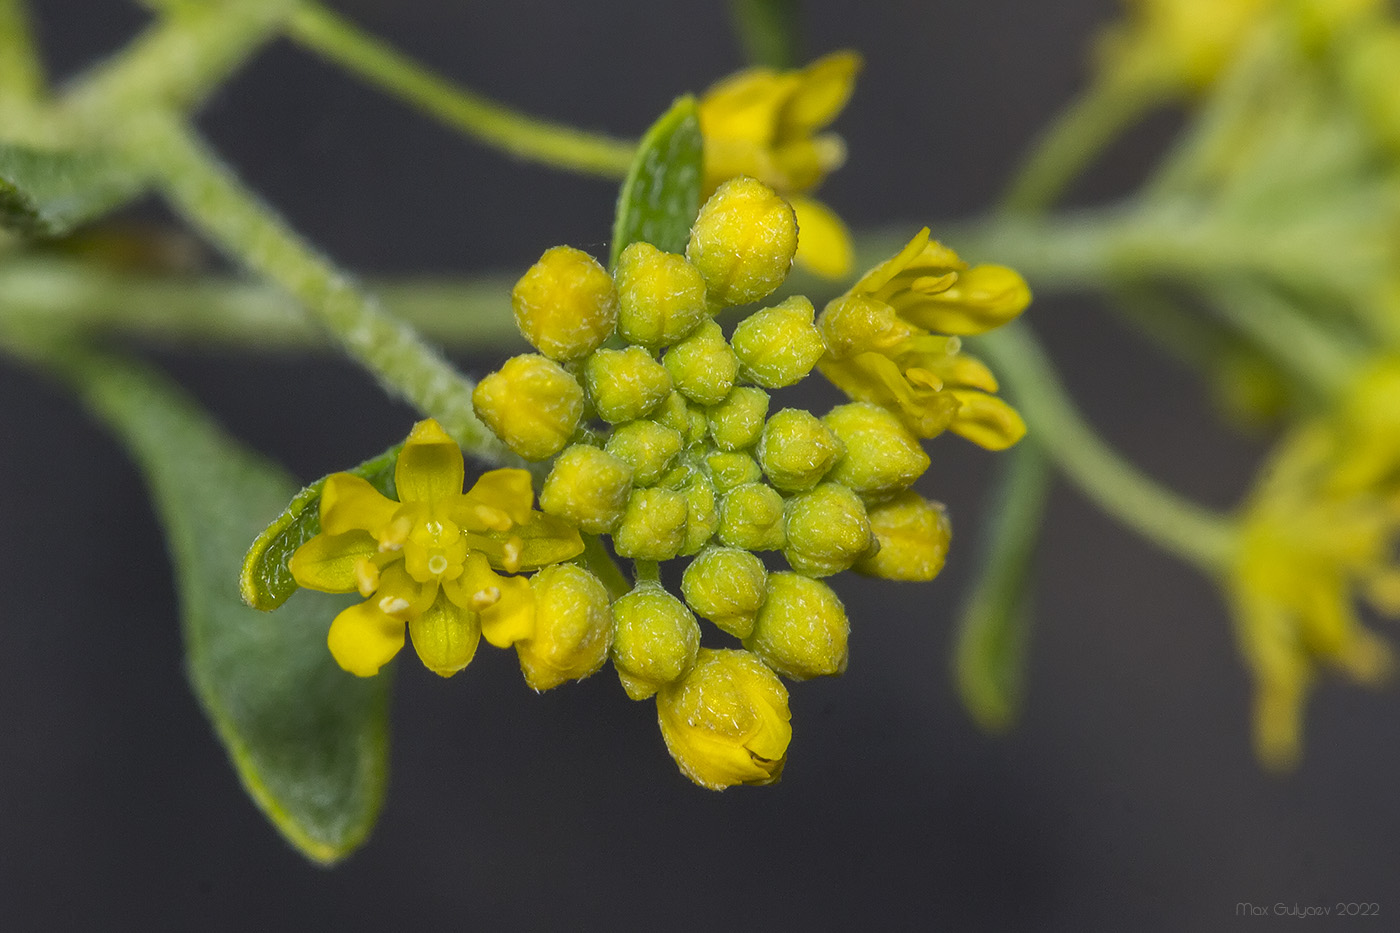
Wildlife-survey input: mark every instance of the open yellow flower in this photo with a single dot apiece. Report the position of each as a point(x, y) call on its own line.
point(768, 125)
point(881, 347)
point(430, 559)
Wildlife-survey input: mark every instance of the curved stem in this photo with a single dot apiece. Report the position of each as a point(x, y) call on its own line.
point(551, 144)
point(1184, 528)
point(216, 202)
point(21, 72)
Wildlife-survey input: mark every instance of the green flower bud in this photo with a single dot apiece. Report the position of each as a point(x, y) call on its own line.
point(573, 627)
point(827, 530)
point(655, 639)
point(796, 450)
point(882, 457)
point(751, 518)
point(743, 242)
point(779, 346)
point(653, 527)
point(565, 305)
point(913, 534)
point(702, 520)
point(702, 366)
point(697, 427)
point(726, 586)
point(589, 487)
point(678, 476)
point(674, 413)
point(735, 423)
point(727, 721)
point(625, 384)
point(801, 631)
point(647, 446)
point(661, 296)
point(731, 469)
point(531, 404)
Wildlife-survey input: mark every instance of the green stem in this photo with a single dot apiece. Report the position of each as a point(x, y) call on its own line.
point(21, 72)
point(1179, 526)
point(551, 144)
point(767, 30)
point(596, 556)
point(647, 570)
point(179, 61)
point(210, 197)
point(1077, 136)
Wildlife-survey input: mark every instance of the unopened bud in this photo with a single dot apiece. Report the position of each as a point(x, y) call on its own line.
point(796, 449)
point(702, 366)
point(565, 305)
point(648, 447)
point(743, 242)
point(751, 518)
point(573, 627)
point(655, 639)
point(736, 422)
point(531, 404)
point(702, 518)
point(802, 630)
point(625, 384)
point(827, 530)
point(661, 296)
point(589, 487)
point(731, 469)
point(913, 534)
point(654, 525)
point(726, 586)
point(882, 457)
point(778, 346)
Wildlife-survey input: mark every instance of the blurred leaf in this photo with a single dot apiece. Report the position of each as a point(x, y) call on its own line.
point(309, 741)
point(47, 193)
point(265, 582)
point(989, 657)
point(768, 31)
point(661, 195)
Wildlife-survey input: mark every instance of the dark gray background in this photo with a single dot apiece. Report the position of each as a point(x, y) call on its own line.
point(1128, 799)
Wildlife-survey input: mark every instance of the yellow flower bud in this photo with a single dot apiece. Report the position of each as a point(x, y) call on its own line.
point(655, 639)
point(779, 346)
point(827, 530)
point(727, 721)
point(702, 366)
point(913, 534)
point(743, 242)
point(661, 296)
point(751, 517)
point(736, 422)
point(565, 305)
point(801, 631)
point(732, 469)
point(702, 520)
point(654, 525)
point(648, 447)
point(589, 487)
point(796, 449)
point(573, 627)
point(726, 586)
point(531, 404)
point(625, 384)
point(882, 457)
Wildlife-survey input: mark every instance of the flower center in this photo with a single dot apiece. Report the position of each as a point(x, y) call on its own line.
point(435, 550)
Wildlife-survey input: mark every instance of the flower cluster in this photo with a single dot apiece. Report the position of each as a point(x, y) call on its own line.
point(663, 436)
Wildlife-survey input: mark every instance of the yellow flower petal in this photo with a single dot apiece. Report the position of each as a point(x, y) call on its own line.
point(979, 300)
point(511, 491)
point(350, 503)
point(824, 88)
point(880, 276)
point(823, 243)
point(987, 421)
point(505, 605)
point(362, 639)
point(430, 465)
point(327, 562)
point(445, 636)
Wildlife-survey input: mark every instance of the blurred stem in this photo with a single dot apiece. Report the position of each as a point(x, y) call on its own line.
point(1179, 526)
point(487, 121)
point(21, 71)
point(596, 556)
point(210, 197)
point(1082, 131)
point(767, 30)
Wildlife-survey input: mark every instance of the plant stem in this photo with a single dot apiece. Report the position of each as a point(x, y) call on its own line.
point(596, 556)
point(767, 30)
point(21, 72)
point(210, 197)
point(1078, 134)
point(1179, 526)
point(494, 124)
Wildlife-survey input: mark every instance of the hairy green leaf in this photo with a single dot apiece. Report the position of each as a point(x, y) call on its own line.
point(989, 656)
point(265, 582)
point(309, 741)
point(661, 195)
point(46, 193)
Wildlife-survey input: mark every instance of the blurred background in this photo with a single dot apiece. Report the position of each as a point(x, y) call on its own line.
point(1127, 798)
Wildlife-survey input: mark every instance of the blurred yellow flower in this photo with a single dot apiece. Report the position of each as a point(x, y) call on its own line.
point(768, 125)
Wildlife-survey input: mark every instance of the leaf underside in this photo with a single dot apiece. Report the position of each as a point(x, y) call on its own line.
point(661, 195)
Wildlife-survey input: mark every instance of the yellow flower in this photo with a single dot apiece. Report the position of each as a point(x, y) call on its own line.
point(1316, 533)
point(430, 559)
point(880, 347)
point(726, 721)
point(1181, 43)
point(767, 124)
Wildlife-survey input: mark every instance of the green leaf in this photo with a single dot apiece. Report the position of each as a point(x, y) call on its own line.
point(661, 195)
point(989, 656)
point(46, 193)
point(265, 582)
point(309, 741)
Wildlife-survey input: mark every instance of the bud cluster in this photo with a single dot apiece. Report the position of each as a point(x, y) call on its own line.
point(663, 436)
